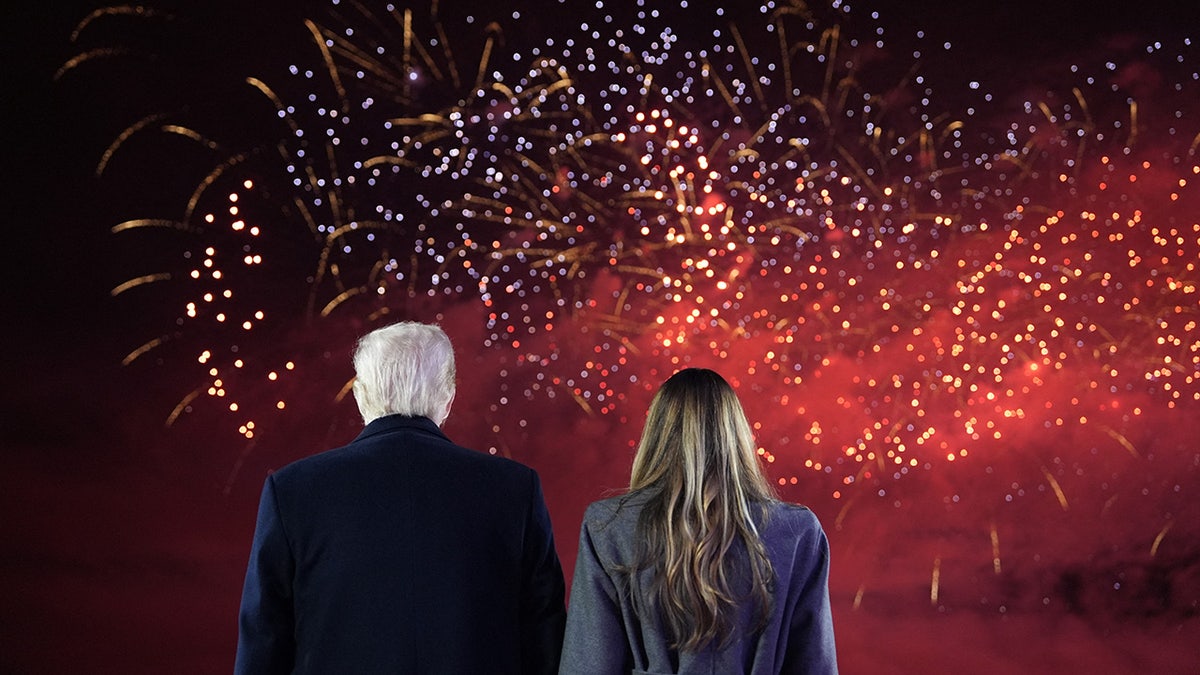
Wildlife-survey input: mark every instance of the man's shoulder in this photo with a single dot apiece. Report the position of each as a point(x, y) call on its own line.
point(496, 465)
point(363, 453)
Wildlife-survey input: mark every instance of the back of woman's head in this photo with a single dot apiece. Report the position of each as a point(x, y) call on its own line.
point(697, 454)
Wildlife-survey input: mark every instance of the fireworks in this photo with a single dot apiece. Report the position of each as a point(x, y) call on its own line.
point(910, 270)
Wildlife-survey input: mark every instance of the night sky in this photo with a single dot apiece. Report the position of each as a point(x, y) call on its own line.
point(980, 373)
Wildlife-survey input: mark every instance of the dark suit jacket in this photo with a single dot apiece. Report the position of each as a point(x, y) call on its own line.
point(611, 630)
point(402, 553)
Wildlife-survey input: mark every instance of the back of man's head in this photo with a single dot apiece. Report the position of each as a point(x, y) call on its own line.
point(406, 368)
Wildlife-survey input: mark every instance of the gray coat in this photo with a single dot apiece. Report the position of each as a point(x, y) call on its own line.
point(609, 631)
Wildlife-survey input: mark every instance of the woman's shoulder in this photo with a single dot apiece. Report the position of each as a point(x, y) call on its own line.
point(617, 505)
point(789, 510)
point(610, 525)
point(792, 518)
point(620, 512)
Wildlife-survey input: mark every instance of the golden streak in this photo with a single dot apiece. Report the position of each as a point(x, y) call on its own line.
point(344, 391)
point(1046, 111)
point(1133, 124)
point(720, 85)
point(360, 60)
point(750, 73)
point(120, 10)
point(88, 56)
point(319, 38)
point(387, 160)
point(399, 80)
point(935, 580)
point(841, 516)
point(445, 42)
point(1120, 438)
point(862, 588)
point(144, 279)
point(831, 37)
point(279, 106)
point(493, 29)
point(183, 404)
point(995, 550)
point(335, 202)
point(1158, 540)
point(785, 57)
point(582, 402)
point(207, 183)
point(192, 134)
point(124, 136)
point(1058, 492)
point(342, 297)
point(1083, 105)
point(408, 40)
point(150, 222)
point(423, 119)
point(302, 207)
point(133, 355)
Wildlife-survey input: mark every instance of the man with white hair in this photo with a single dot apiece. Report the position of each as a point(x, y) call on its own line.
point(402, 552)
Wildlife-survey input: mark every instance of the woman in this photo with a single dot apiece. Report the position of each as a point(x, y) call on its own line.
point(699, 568)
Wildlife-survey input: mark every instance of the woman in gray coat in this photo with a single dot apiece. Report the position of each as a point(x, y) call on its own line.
point(699, 568)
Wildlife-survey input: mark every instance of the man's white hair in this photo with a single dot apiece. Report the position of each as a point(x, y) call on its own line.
point(406, 368)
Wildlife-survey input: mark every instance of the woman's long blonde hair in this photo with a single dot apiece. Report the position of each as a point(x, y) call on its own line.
point(697, 453)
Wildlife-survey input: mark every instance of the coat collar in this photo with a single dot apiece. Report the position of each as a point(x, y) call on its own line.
point(393, 423)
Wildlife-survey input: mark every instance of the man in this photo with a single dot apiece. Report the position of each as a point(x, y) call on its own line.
point(402, 552)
